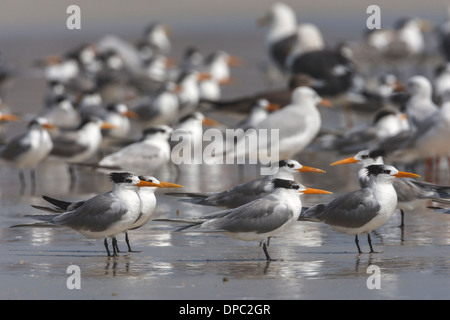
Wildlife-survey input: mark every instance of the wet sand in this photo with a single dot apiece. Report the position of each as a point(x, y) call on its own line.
point(313, 261)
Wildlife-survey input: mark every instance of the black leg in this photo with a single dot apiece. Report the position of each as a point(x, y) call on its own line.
point(402, 223)
point(33, 180)
point(370, 243)
point(357, 244)
point(268, 258)
point(73, 176)
point(115, 247)
point(127, 240)
point(106, 246)
point(22, 181)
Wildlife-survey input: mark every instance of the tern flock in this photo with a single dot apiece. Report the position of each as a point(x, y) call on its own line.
point(112, 106)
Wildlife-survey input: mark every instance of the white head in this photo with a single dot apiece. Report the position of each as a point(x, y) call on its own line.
point(281, 20)
point(365, 157)
point(286, 168)
point(305, 95)
point(419, 87)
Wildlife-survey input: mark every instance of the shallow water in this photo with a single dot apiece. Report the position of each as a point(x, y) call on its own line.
point(313, 261)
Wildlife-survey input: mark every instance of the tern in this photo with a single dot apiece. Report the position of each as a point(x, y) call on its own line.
point(364, 210)
point(259, 219)
point(407, 189)
point(146, 196)
point(249, 191)
point(106, 215)
point(260, 109)
point(79, 145)
point(160, 108)
point(147, 155)
point(29, 149)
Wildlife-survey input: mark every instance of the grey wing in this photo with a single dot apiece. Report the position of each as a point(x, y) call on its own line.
point(66, 145)
point(16, 147)
point(277, 120)
point(408, 191)
point(96, 214)
point(259, 216)
point(238, 195)
point(131, 154)
point(352, 210)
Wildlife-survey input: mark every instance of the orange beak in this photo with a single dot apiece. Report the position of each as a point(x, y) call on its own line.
point(210, 122)
point(234, 61)
point(108, 126)
point(315, 191)
point(325, 103)
point(202, 76)
point(273, 107)
point(9, 117)
point(310, 169)
point(48, 126)
point(143, 183)
point(399, 87)
point(171, 63)
point(402, 174)
point(130, 114)
point(169, 185)
point(345, 161)
point(227, 82)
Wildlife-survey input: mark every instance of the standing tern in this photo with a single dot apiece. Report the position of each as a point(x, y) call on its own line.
point(106, 215)
point(248, 191)
point(146, 196)
point(259, 219)
point(260, 109)
point(29, 149)
point(79, 145)
point(146, 155)
point(407, 189)
point(364, 210)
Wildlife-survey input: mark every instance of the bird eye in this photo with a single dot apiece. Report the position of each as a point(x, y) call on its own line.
point(387, 171)
point(290, 165)
point(364, 156)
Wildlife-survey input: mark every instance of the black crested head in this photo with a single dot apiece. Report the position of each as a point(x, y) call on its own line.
point(381, 114)
point(153, 130)
point(121, 177)
point(286, 184)
point(377, 153)
point(376, 169)
point(285, 163)
point(60, 98)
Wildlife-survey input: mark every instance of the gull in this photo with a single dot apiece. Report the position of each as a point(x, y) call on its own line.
point(297, 125)
point(281, 23)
